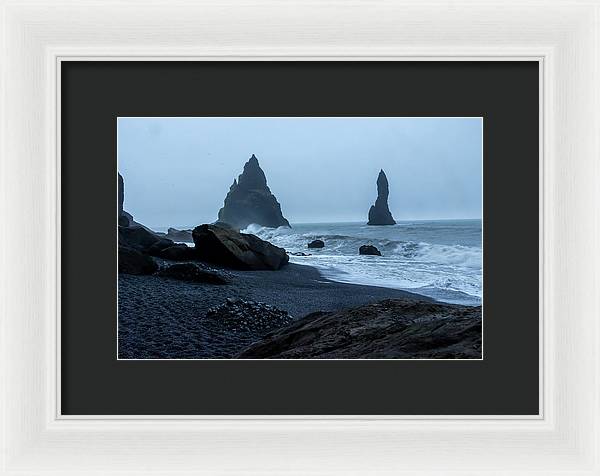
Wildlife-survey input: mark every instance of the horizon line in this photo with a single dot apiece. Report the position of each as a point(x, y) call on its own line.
point(398, 221)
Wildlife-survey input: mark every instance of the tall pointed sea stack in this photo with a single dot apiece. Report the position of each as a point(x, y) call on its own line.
point(250, 201)
point(379, 214)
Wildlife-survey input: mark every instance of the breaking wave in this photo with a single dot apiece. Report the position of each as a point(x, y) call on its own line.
point(438, 259)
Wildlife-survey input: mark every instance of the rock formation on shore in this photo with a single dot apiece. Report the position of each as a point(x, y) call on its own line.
point(250, 201)
point(390, 329)
point(132, 261)
point(136, 247)
point(380, 214)
point(122, 216)
point(227, 247)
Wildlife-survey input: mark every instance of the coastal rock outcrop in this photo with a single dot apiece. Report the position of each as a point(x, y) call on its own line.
point(250, 201)
point(141, 239)
point(316, 244)
point(369, 250)
point(132, 261)
point(136, 245)
point(124, 218)
point(227, 247)
point(380, 214)
point(394, 328)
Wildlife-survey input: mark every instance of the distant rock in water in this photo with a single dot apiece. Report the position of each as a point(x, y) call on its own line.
point(379, 214)
point(179, 235)
point(227, 247)
point(316, 244)
point(250, 201)
point(369, 250)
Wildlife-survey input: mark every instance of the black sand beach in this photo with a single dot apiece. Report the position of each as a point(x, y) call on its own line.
point(165, 318)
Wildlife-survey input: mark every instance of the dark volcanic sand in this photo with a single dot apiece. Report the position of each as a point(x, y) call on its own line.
point(164, 318)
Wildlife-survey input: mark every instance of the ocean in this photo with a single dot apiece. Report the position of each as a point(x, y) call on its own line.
point(441, 259)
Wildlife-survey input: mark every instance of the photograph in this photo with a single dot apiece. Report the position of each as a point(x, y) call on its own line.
point(300, 238)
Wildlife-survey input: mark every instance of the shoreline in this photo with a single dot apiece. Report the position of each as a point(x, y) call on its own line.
point(164, 318)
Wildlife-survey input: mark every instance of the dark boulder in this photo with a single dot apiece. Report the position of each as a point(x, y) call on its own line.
point(158, 246)
point(178, 252)
point(141, 239)
point(369, 250)
point(380, 214)
point(390, 329)
point(194, 273)
point(227, 247)
point(132, 261)
point(250, 200)
point(316, 244)
point(299, 253)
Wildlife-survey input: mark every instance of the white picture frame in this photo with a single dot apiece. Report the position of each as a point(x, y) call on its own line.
point(562, 35)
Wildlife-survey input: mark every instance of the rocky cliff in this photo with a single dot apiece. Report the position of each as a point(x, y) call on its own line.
point(124, 218)
point(390, 329)
point(250, 200)
point(380, 214)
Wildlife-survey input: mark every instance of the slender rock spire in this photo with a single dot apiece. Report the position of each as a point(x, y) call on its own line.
point(380, 214)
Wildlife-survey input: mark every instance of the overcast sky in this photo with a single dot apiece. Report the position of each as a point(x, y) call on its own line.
point(177, 171)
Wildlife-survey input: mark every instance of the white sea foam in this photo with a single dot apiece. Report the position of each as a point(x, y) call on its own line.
point(440, 259)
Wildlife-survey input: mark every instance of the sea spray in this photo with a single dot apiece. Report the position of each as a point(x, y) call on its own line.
point(441, 259)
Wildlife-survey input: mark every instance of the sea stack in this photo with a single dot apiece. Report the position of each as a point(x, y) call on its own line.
point(379, 214)
point(250, 201)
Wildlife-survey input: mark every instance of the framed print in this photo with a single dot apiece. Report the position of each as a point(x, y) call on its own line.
point(255, 303)
point(356, 240)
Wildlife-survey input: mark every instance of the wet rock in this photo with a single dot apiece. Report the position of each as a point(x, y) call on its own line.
point(250, 200)
point(299, 253)
point(227, 247)
point(369, 250)
point(194, 273)
point(316, 244)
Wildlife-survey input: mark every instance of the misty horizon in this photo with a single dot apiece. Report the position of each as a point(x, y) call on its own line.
point(177, 171)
